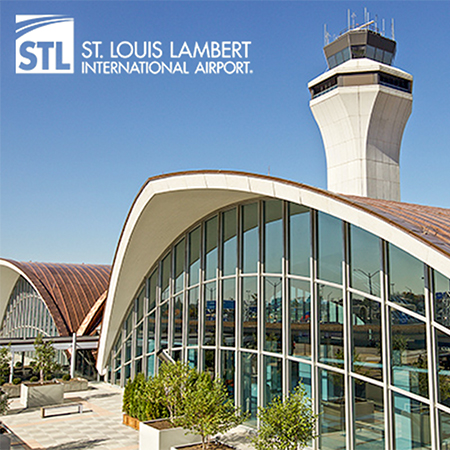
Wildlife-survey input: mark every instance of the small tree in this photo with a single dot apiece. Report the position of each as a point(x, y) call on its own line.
point(208, 410)
point(286, 425)
point(174, 380)
point(44, 357)
point(5, 362)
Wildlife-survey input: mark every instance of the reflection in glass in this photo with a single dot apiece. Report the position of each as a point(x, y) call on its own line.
point(127, 373)
point(411, 423)
point(299, 240)
point(151, 333)
point(330, 248)
point(365, 257)
point(369, 416)
point(332, 411)
point(300, 323)
point(249, 312)
point(140, 306)
point(444, 426)
point(152, 287)
point(139, 340)
point(127, 350)
point(441, 299)
point(250, 384)
point(228, 312)
point(409, 353)
point(193, 316)
point(179, 255)
point(443, 352)
point(178, 321)
point(138, 365)
point(210, 313)
point(164, 325)
point(300, 373)
point(210, 362)
point(406, 280)
point(165, 277)
point(250, 238)
point(150, 366)
point(273, 314)
point(273, 378)
point(228, 369)
point(192, 357)
point(273, 236)
point(211, 248)
point(229, 236)
point(331, 326)
point(194, 256)
point(366, 337)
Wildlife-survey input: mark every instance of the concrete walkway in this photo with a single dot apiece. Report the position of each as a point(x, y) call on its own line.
point(99, 427)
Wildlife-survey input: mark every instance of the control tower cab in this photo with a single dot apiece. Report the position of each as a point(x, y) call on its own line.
point(361, 104)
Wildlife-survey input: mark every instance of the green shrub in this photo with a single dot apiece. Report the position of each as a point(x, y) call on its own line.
point(2, 381)
point(34, 379)
point(17, 381)
point(66, 377)
point(4, 402)
point(18, 365)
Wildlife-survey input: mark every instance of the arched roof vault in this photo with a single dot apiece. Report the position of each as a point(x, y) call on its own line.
point(167, 205)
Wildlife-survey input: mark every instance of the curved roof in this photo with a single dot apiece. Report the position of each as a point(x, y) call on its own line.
point(169, 204)
point(68, 290)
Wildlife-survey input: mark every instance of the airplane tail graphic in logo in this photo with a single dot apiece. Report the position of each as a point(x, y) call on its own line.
point(44, 44)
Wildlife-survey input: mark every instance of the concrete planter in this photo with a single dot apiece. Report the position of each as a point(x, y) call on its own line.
point(151, 438)
point(13, 390)
point(75, 385)
point(5, 438)
point(37, 394)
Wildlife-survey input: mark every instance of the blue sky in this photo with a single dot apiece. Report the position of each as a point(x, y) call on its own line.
point(76, 149)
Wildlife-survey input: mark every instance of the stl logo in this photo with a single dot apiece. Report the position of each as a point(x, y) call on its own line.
point(44, 44)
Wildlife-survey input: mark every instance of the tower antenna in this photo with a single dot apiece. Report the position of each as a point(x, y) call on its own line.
point(382, 30)
point(348, 19)
point(392, 30)
point(326, 35)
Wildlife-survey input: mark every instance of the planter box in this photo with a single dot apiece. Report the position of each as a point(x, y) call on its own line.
point(75, 385)
point(13, 390)
point(130, 422)
point(151, 438)
point(5, 438)
point(37, 394)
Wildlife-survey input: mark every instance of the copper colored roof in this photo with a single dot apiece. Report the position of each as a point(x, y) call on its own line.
point(68, 290)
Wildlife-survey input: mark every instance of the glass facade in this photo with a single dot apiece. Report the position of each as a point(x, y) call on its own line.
point(267, 294)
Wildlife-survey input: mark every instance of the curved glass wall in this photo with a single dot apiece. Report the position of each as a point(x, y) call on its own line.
point(268, 294)
point(26, 315)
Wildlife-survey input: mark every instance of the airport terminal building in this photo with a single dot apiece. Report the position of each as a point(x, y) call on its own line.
point(266, 282)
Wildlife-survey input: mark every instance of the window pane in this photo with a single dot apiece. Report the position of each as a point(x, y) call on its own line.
point(211, 248)
point(209, 361)
point(179, 265)
point(365, 256)
point(273, 236)
point(250, 244)
point(366, 325)
point(300, 373)
point(229, 243)
point(129, 322)
point(273, 378)
point(138, 366)
point(151, 333)
point(409, 353)
point(150, 366)
point(228, 312)
point(193, 316)
point(127, 373)
point(331, 328)
point(139, 340)
point(330, 248)
point(442, 299)
point(140, 306)
point(178, 321)
point(332, 411)
point(443, 349)
point(273, 314)
point(411, 423)
point(299, 240)
point(406, 280)
point(210, 313)
point(194, 256)
point(127, 350)
point(444, 423)
point(165, 277)
point(228, 371)
point(152, 286)
point(164, 325)
point(369, 416)
point(250, 385)
point(249, 312)
point(192, 358)
point(300, 324)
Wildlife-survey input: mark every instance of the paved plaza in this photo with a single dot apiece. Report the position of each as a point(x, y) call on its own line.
point(99, 427)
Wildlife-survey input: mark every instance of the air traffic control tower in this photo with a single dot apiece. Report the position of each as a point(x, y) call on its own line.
point(361, 104)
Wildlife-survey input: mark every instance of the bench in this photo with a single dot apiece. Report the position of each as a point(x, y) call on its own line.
point(67, 408)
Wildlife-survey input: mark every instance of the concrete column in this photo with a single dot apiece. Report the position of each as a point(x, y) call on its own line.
point(74, 355)
point(11, 373)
